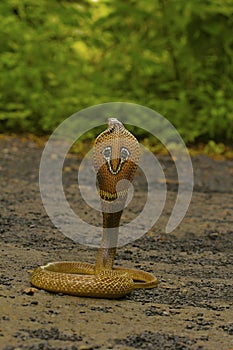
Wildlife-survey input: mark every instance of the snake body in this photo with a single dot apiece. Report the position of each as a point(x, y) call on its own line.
point(116, 156)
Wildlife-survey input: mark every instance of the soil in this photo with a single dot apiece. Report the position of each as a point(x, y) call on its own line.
point(190, 310)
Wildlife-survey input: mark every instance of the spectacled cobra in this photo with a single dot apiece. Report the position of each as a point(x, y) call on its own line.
point(116, 156)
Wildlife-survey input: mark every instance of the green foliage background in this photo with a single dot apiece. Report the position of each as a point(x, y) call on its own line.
point(174, 56)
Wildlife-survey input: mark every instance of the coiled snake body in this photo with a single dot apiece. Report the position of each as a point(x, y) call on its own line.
point(116, 156)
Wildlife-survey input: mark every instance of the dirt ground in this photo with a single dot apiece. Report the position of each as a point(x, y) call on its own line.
point(190, 310)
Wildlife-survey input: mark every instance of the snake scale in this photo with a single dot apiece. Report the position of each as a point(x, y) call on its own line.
point(115, 159)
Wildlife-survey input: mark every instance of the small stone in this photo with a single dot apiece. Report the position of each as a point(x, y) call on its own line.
point(30, 291)
point(213, 235)
point(189, 326)
point(165, 313)
point(5, 318)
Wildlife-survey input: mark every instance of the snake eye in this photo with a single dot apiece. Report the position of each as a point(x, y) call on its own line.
point(107, 152)
point(125, 153)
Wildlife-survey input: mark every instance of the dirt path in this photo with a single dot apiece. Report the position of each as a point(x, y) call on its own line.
point(191, 309)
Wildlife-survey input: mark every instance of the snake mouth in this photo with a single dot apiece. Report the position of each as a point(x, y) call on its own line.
point(108, 196)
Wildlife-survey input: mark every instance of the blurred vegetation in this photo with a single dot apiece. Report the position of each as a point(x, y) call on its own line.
point(174, 56)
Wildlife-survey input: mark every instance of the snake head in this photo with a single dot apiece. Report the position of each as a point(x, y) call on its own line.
point(116, 157)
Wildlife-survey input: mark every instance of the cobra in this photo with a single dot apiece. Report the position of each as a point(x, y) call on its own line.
point(115, 159)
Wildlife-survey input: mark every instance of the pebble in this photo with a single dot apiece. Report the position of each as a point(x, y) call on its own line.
point(30, 291)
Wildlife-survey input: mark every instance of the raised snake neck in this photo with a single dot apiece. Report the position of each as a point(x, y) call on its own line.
point(115, 159)
point(116, 156)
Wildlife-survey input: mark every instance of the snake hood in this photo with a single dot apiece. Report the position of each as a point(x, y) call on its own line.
point(116, 157)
